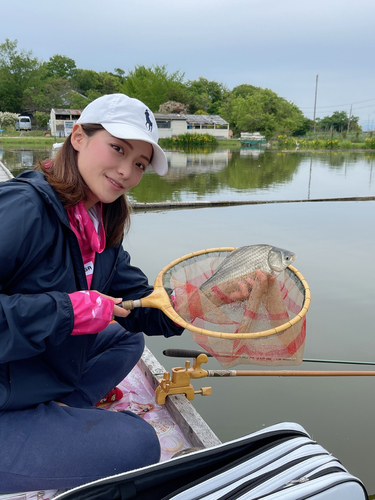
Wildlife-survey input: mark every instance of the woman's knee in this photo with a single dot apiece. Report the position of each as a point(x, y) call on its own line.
point(136, 443)
point(139, 342)
point(115, 336)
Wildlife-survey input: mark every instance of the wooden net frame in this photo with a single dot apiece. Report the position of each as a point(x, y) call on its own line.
point(166, 306)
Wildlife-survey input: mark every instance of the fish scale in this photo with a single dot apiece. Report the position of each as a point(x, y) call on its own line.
point(248, 259)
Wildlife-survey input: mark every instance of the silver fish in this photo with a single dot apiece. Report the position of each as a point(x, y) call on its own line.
point(245, 260)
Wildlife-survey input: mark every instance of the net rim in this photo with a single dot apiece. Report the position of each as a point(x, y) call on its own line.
point(172, 314)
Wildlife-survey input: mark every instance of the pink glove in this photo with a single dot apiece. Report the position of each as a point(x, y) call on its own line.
point(92, 312)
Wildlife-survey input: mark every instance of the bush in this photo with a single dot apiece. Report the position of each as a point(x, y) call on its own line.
point(41, 118)
point(173, 107)
point(285, 142)
point(332, 143)
point(187, 140)
point(370, 142)
point(7, 119)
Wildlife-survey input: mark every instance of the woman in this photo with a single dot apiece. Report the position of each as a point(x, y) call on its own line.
point(63, 273)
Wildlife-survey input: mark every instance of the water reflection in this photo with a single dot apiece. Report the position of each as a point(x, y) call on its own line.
point(197, 163)
point(245, 174)
point(19, 160)
point(251, 152)
point(25, 158)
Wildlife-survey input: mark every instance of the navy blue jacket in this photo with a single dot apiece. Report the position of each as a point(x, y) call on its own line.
point(40, 264)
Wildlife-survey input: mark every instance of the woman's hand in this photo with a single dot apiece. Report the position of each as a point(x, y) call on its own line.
point(117, 310)
point(259, 282)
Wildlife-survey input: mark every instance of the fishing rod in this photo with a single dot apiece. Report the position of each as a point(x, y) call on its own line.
point(180, 380)
point(288, 373)
point(192, 353)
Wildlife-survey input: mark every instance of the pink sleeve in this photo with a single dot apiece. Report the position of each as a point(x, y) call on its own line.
point(92, 312)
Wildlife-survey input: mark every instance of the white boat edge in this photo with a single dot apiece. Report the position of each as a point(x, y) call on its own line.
point(4, 172)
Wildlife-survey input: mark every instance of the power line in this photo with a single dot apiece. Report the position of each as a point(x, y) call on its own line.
point(338, 105)
point(366, 107)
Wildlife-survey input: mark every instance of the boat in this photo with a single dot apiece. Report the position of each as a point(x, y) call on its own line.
point(255, 139)
point(5, 174)
point(280, 462)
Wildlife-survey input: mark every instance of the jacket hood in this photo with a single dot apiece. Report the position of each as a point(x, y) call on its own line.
point(38, 181)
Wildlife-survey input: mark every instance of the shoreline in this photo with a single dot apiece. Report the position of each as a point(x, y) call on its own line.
point(228, 143)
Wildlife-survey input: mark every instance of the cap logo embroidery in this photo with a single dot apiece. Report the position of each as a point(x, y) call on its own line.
point(148, 121)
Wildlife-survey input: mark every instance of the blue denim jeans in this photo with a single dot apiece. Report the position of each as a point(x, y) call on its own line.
point(56, 447)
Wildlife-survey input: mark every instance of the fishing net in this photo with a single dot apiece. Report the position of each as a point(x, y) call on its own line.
point(264, 326)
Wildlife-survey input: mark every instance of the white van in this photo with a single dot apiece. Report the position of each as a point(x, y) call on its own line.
point(23, 123)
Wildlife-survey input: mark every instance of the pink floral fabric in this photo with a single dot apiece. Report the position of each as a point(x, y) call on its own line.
point(90, 241)
point(92, 311)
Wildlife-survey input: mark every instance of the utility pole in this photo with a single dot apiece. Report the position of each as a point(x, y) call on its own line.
point(350, 114)
point(316, 94)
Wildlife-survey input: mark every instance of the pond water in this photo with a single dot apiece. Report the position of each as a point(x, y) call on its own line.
point(334, 242)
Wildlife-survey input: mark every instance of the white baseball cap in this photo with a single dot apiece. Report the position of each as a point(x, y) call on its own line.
point(127, 118)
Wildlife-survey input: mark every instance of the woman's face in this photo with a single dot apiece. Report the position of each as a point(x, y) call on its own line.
point(109, 166)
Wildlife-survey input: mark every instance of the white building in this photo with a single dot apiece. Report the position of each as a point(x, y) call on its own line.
point(171, 125)
point(62, 121)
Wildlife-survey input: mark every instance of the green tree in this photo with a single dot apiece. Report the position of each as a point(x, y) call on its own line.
point(206, 95)
point(18, 71)
point(338, 121)
point(109, 83)
point(80, 101)
point(244, 90)
point(60, 67)
point(153, 85)
point(47, 94)
point(85, 80)
point(252, 109)
point(306, 126)
point(41, 118)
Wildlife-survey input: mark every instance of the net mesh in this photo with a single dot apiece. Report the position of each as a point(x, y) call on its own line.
point(269, 303)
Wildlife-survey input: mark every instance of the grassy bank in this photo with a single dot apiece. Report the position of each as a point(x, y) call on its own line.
point(327, 142)
point(27, 143)
point(229, 143)
point(34, 139)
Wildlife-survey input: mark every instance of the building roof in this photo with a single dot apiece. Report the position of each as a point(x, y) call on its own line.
point(206, 119)
point(67, 111)
point(169, 116)
point(198, 119)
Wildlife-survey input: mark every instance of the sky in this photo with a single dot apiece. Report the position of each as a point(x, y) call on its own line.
point(279, 45)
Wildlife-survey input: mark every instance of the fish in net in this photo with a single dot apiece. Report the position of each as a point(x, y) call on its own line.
point(245, 306)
